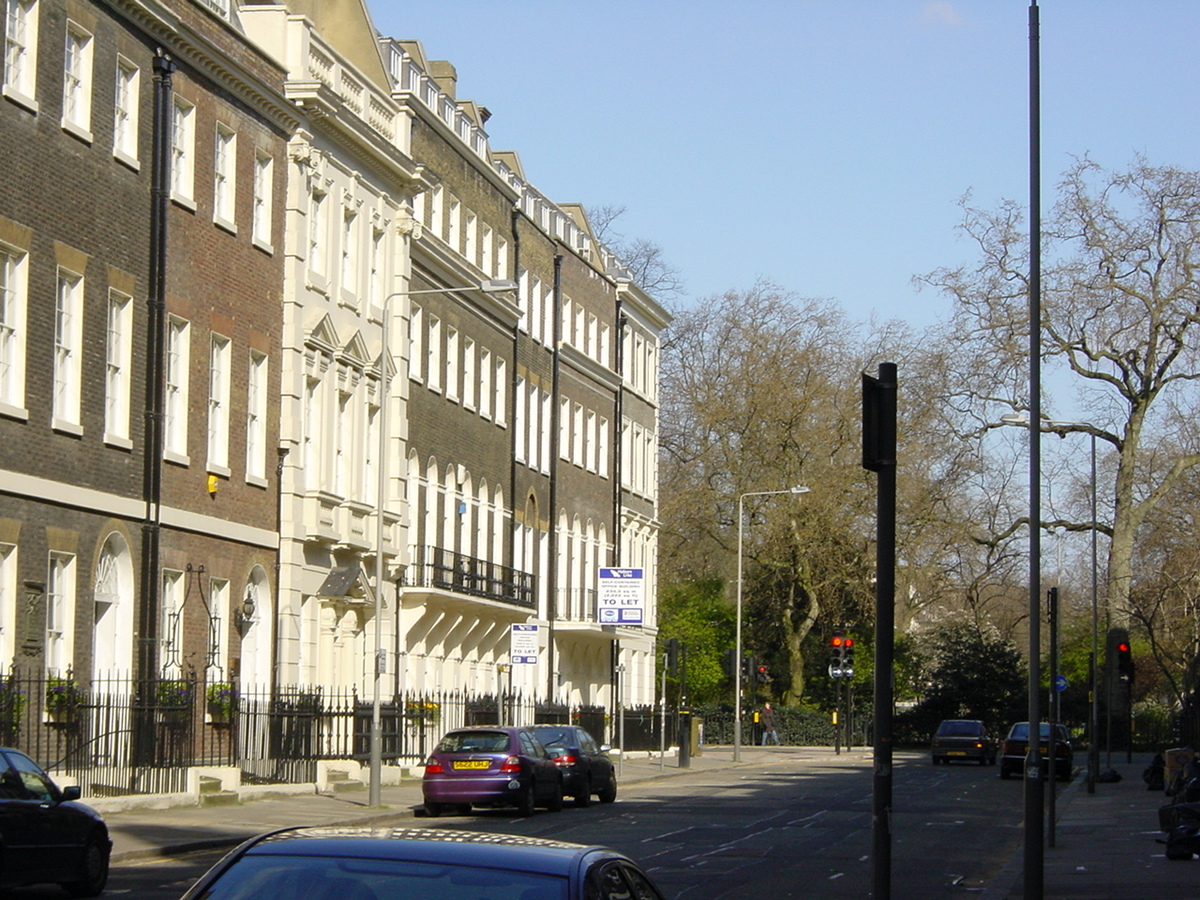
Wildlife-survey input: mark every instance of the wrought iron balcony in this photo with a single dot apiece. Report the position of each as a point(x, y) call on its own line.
point(447, 570)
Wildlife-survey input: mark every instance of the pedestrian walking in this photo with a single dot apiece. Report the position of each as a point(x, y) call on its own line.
point(768, 724)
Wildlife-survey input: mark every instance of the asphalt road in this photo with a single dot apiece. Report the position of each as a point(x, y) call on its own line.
point(779, 830)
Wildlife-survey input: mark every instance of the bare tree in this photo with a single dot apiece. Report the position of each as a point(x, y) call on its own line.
point(645, 259)
point(1120, 309)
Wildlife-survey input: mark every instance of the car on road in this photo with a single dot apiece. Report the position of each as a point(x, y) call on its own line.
point(491, 766)
point(345, 863)
point(963, 740)
point(48, 836)
point(1016, 745)
point(585, 764)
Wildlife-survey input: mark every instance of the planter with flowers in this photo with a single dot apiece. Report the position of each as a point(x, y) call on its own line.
point(174, 701)
point(422, 712)
point(64, 700)
point(221, 697)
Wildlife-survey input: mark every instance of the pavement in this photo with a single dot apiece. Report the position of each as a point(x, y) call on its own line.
point(1105, 844)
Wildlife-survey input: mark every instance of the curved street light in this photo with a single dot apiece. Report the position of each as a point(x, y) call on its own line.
point(385, 355)
point(737, 653)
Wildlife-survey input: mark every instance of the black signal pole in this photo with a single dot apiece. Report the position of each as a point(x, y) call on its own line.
point(879, 456)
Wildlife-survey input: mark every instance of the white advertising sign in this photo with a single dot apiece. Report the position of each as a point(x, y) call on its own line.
point(523, 648)
point(622, 597)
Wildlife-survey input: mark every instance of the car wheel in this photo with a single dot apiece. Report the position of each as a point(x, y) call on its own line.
point(584, 798)
point(526, 803)
point(555, 804)
point(609, 793)
point(94, 870)
point(983, 760)
point(935, 760)
point(1003, 771)
point(433, 810)
point(464, 809)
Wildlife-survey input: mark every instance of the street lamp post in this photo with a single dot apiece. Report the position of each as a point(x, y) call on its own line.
point(375, 763)
point(737, 652)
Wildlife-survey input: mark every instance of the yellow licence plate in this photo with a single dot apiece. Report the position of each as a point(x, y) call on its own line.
point(471, 763)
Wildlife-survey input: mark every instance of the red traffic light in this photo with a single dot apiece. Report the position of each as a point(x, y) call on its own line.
point(837, 640)
point(849, 642)
point(1122, 648)
point(762, 670)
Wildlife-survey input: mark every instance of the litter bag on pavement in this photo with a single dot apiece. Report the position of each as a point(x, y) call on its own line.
point(1174, 815)
point(1183, 841)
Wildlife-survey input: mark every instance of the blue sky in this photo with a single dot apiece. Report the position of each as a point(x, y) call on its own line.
point(822, 146)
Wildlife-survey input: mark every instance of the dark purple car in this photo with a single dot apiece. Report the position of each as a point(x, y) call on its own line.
point(491, 766)
point(344, 863)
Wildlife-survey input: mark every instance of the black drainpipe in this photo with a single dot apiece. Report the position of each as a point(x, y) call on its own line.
point(555, 437)
point(512, 392)
point(156, 321)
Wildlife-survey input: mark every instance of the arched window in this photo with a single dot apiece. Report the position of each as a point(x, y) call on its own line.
point(113, 629)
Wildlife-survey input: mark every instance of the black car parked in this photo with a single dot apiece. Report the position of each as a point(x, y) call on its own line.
point(965, 740)
point(585, 764)
point(48, 837)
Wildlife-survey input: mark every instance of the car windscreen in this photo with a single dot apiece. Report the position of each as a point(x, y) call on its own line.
point(256, 876)
point(557, 737)
point(474, 742)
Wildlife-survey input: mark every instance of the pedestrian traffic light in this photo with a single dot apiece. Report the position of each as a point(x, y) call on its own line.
point(1124, 662)
point(762, 674)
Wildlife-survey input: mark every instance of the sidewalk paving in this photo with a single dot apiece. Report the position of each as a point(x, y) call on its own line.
point(1105, 843)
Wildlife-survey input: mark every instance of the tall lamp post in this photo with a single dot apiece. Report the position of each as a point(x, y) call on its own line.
point(737, 653)
point(1059, 428)
point(385, 357)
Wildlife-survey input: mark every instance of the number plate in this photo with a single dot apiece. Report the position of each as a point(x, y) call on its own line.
point(956, 753)
point(471, 764)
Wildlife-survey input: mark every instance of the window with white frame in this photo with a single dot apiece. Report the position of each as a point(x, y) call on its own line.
point(547, 402)
point(60, 613)
point(13, 307)
point(348, 270)
point(370, 482)
point(183, 150)
point(256, 417)
point(20, 50)
point(416, 344)
point(602, 448)
point(219, 371)
point(176, 407)
point(501, 257)
point(535, 308)
point(501, 417)
point(170, 627)
point(564, 429)
point(77, 81)
point(68, 348)
point(375, 275)
point(316, 232)
point(521, 431)
point(547, 304)
point(264, 198)
point(471, 228)
point(532, 416)
point(125, 111)
point(218, 610)
point(589, 442)
point(487, 263)
point(118, 358)
point(454, 226)
point(436, 211)
point(8, 600)
point(224, 177)
point(314, 423)
point(523, 298)
point(434, 353)
point(452, 364)
point(469, 376)
point(344, 444)
point(577, 434)
point(485, 383)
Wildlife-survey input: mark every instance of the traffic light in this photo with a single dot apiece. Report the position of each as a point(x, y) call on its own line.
point(730, 663)
point(837, 650)
point(762, 674)
point(748, 668)
point(848, 657)
point(1124, 662)
point(672, 655)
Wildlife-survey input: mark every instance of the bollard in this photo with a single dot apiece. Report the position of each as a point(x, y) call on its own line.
point(685, 739)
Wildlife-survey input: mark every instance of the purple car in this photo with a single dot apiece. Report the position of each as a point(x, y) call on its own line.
point(491, 766)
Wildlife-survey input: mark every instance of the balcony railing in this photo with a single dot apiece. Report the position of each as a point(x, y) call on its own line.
point(447, 570)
